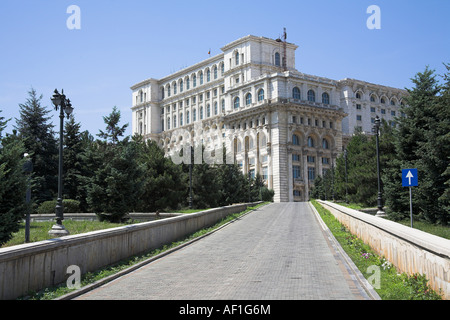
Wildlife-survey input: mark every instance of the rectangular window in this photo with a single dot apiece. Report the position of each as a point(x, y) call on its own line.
point(383, 111)
point(393, 113)
point(296, 173)
point(358, 117)
point(295, 157)
point(311, 159)
point(358, 107)
point(264, 159)
point(265, 173)
point(372, 109)
point(311, 173)
point(325, 160)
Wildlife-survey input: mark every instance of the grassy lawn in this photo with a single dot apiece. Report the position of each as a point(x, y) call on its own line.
point(91, 277)
point(438, 230)
point(39, 230)
point(392, 285)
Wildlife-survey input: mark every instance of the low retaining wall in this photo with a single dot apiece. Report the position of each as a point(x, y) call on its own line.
point(34, 266)
point(93, 217)
point(410, 250)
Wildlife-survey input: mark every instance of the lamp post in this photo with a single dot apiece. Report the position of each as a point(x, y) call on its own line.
point(346, 180)
point(59, 100)
point(191, 164)
point(28, 169)
point(376, 128)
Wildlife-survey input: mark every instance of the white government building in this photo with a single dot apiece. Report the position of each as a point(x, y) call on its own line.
point(273, 119)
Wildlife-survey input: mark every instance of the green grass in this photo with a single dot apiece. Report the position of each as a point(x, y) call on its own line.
point(438, 230)
point(39, 230)
point(91, 277)
point(393, 285)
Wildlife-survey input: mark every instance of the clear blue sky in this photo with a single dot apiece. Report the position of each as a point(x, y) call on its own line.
point(123, 42)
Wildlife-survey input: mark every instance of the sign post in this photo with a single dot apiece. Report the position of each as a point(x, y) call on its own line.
point(410, 179)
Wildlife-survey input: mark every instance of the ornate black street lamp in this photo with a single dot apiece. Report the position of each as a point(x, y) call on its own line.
point(59, 100)
point(376, 128)
point(346, 180)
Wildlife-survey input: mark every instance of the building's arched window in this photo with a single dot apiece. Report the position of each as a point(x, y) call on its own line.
point(187, 83)
point(236, 103)
point(372, 98)
point(261, 95)
point(174, 122)
point(194, 80)
point(168, 90)
point(208, 75)
point(222, 67)
point(277, 59)
point(174, 88)
point(201, 113)
point(295, 140)
point(236, 58)
point(168, 123)
point(181, 85)
point(208, 111)
point(223, 105)
point(215, 72)
point(392, 102)
point(325, 144)
point(162, 93)
point(296, 93)
point(358, 95)
point(248, 99)
point(382, 100)
point(216, 109)
point(325, 98)
point(201, 78)
point(310, 142)
point(311, 96)
point(187, 117)
point(194, 115)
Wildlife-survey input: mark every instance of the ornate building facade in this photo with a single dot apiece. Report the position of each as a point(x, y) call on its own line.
point(272, 119)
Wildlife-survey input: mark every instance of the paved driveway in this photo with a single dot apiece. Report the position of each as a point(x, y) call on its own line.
point(278, 252)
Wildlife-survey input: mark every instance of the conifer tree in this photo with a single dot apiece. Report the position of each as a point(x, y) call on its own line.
point(36, 131)
point(73, 149)
point(113, 129)
point(13, 184)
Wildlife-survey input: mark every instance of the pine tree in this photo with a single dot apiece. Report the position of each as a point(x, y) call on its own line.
point(166, 185)
point(37, 133)
point(117, 184)
point(73, 148)
point(422, 142)
point(13, 184)
point(113, 130)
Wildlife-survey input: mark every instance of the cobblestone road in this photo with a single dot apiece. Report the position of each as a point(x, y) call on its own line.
point(277, 252)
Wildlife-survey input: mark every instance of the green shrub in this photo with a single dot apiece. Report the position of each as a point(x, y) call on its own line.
point(70, 206)
point(267, 194)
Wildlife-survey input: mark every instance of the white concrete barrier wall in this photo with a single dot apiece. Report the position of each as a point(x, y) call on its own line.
point(410, 250)
point(34, 266)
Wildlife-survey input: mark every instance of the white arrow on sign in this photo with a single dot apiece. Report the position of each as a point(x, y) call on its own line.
point(409, 176)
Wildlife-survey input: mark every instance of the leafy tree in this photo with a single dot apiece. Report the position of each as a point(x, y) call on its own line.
point(113, 129)
point(13, 184)
point(37, 133)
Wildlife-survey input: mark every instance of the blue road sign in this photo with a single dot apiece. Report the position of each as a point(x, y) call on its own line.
point(410, 178)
